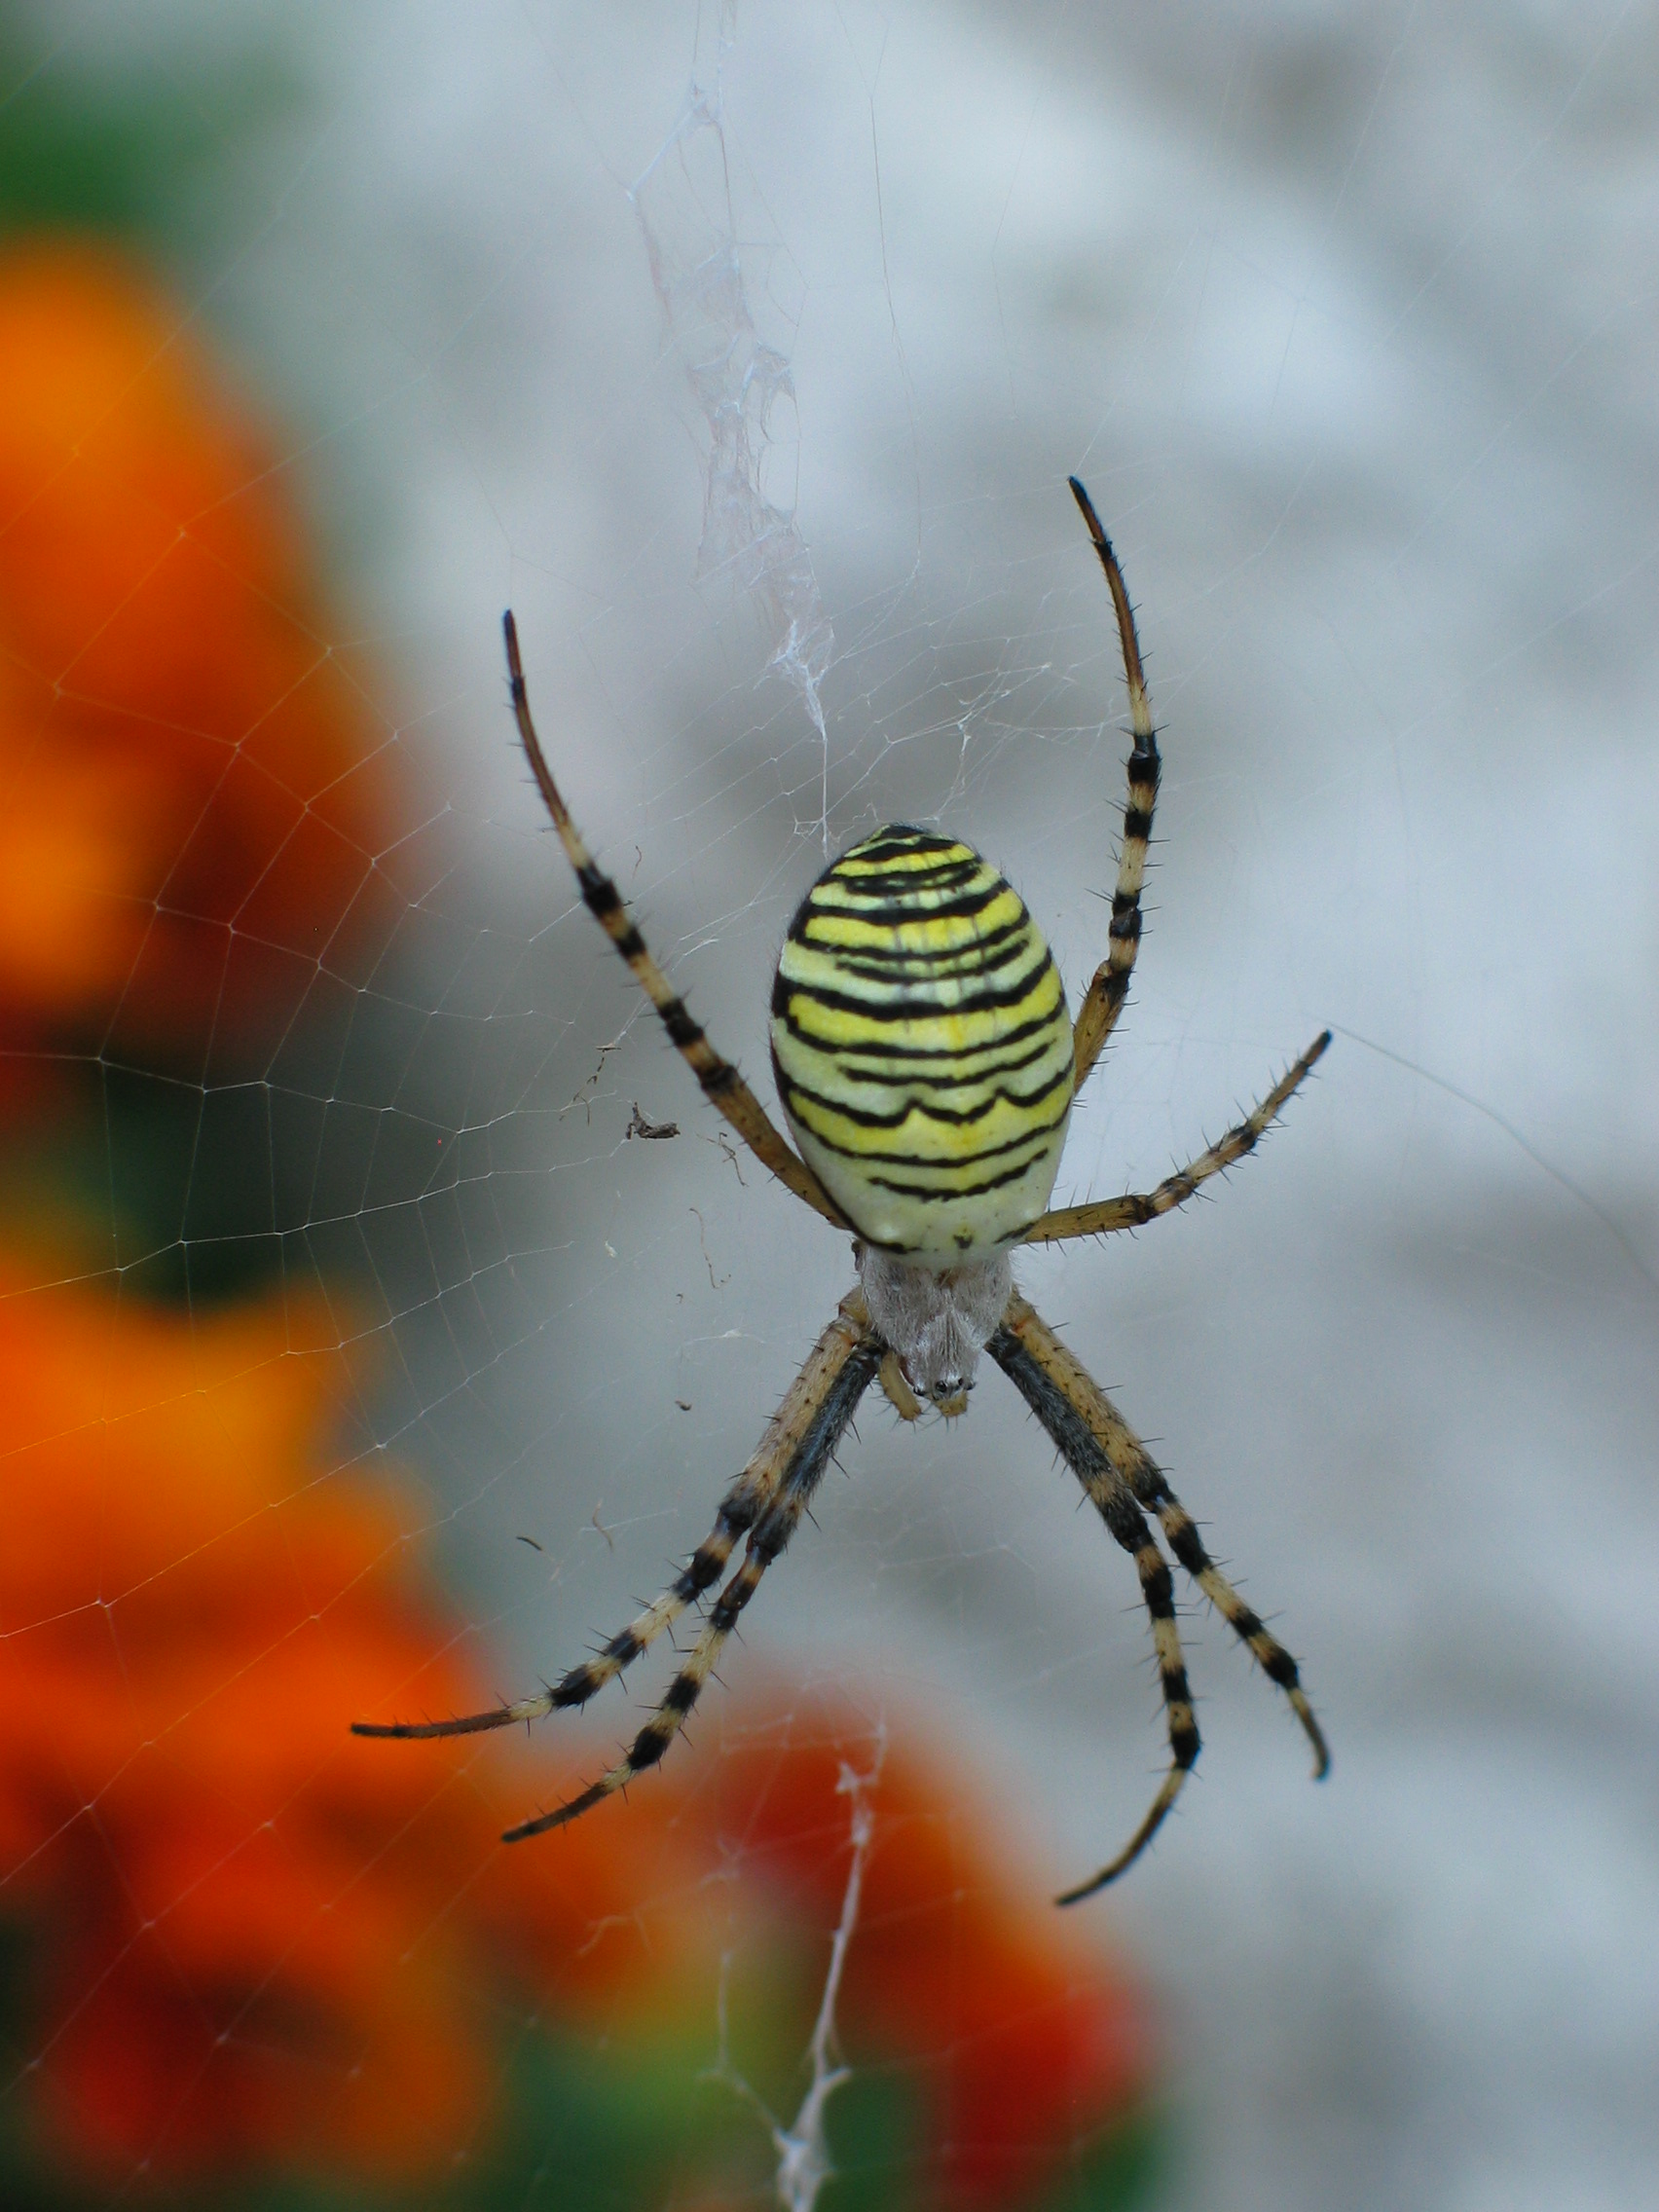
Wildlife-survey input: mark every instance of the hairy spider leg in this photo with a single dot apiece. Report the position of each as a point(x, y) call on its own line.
point(766, 1540)
point(739, 1509)
point(721, 1083)
point(1134, 1464)
point(1103, 1215)
point(1097, 1017)
point(1082, 1452)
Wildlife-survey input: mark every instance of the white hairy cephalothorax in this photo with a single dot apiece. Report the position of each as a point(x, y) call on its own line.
point(936, 1320)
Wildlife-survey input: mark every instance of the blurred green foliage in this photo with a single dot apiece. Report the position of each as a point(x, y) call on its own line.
point(128, 146)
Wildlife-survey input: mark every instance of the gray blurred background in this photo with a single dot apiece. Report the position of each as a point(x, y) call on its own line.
point(1347, 317)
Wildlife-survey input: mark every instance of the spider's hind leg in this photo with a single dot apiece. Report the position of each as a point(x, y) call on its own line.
point(723, 1086)
point(1103, 1002)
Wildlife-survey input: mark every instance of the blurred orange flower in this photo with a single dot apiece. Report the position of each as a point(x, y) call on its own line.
point(230, 1915)
point(963, 1974)
point(256, 1940)
point(192, 784)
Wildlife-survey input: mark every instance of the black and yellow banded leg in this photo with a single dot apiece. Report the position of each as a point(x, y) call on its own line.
point(1276, 1662)
point(768, 1540)
point(721, 1083)
point(1079, 1446)
point(1136, 1468)
point(738, 1511)
point(1158, 1590)
point(1138, 1207)
point(1097, 1017)
point(790, 1429)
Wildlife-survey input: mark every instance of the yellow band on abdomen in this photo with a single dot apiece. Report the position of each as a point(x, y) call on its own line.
point(922, 1046)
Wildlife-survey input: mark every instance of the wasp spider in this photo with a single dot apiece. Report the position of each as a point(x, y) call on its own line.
point(927, 1065)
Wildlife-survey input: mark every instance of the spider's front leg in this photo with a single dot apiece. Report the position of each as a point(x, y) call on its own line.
point(830, 1402)
point(793, 1434)
point(1119, 1476)
point(1125, 1520)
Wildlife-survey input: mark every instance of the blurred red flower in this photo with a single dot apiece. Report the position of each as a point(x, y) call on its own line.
point(193, 787)
point(998, 2009)
point(236, 1928)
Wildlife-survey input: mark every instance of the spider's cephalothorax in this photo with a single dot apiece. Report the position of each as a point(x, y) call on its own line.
point(934, 1322)
point(927, 1067)
point(922, 1047)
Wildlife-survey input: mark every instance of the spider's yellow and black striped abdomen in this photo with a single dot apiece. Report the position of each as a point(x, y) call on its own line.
point(922, 1046)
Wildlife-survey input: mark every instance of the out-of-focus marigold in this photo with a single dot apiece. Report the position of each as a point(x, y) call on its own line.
point(256, 1941)
point(193, 787)
point(1015, 2040)
point(237, 1936)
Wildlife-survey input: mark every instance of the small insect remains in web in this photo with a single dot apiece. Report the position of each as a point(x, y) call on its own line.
point(927, 1066)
